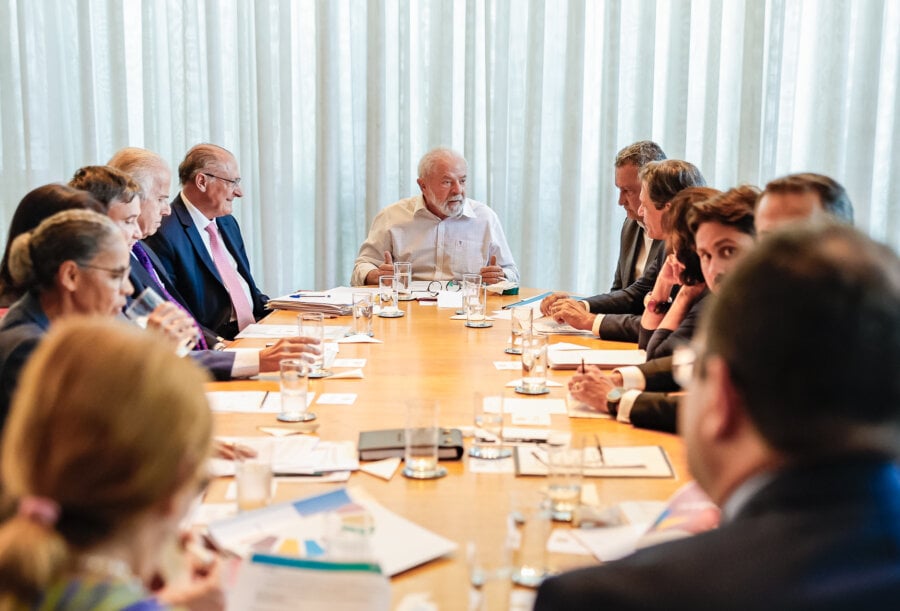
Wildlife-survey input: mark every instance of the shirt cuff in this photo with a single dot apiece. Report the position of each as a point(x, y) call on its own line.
point(595, 328)
point(587, 306)
point(246, 363)
point(632, 377)
point(626, 403)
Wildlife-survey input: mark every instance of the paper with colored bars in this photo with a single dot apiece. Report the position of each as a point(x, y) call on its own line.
point(313, 528)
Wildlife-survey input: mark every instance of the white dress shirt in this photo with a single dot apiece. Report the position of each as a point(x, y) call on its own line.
point(438, 249)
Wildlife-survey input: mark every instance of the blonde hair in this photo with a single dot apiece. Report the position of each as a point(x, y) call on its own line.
point(105, 436)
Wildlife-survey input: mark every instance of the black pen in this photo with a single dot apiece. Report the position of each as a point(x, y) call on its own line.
point(599, 448)
point(582, 364)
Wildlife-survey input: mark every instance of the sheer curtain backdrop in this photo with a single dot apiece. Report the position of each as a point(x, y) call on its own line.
point(328, 104)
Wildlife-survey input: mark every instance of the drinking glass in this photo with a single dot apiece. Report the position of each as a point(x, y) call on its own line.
point(521, 320)
point(253, 474)
point(489, 567)
point(470, 282)
point(534, 365)
point(387, 297)
point(422, 437)
point(294, 385)
point(312, 325)
point(403, 271)
point(362, 314)
point(488, 437)
point(475, 303)
point(142, 307)
point(565, 466)
point(529, 532)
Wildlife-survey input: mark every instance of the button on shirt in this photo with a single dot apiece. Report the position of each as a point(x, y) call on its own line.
point(438, 249)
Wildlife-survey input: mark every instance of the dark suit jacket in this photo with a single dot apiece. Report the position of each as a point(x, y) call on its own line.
point(191, 270)
point(654, 408)
point(623, 307)
point(141, 279)
point(825, 536)
point(630, 241)
point(20, 331)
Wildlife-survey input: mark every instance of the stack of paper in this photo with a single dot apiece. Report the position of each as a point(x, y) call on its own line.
point(572, 359)
point(299, 455)
point(333, 302)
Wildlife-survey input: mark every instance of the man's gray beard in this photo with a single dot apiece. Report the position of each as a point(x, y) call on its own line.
point(453, 209)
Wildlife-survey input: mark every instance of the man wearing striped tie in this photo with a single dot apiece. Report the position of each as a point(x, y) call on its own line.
point(152, 173)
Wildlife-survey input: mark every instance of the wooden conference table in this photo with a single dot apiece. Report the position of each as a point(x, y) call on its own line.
point(426, 355)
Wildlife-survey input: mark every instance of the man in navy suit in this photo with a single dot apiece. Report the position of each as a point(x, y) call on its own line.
point(794, 434)
point(152, 173)
point(200, 245)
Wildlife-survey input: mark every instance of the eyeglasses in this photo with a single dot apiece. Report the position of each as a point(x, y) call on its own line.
point(118, 274)
point(234, 183)
point(683, 360)
point(436, 286)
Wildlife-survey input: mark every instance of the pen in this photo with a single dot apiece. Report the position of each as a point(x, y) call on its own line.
point(582, 364)
point(599, 447)
point(539, 458)
point(299, 295)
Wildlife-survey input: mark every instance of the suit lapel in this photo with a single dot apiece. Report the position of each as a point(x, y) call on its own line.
point(193, 235)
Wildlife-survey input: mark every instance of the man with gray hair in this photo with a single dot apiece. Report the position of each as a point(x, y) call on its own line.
point(201, 248)
point(152, 173)
point(440, 231)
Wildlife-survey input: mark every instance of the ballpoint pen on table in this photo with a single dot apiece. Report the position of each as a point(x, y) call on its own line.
point(599, 448)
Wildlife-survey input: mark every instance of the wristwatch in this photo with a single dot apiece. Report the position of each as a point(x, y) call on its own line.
point(658, 307)
point(612, 401)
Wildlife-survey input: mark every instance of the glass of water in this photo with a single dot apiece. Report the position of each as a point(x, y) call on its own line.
point(534, 365)
point(475, 303)
point(294, 386)
point(362, 314)
point(403, 271)
point(312, 325)
point(488, 436)
point(142, 307)
point(521, 320)
point(565, 466)
point(422, 434)
point(387, 297)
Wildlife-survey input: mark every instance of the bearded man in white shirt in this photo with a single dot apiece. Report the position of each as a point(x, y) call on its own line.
point(440, 231)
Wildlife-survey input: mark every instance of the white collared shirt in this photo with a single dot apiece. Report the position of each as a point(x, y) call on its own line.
point(438, 249)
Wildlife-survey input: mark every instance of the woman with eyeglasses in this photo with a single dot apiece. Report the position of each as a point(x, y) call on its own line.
point(75, 262)
point(102, 456)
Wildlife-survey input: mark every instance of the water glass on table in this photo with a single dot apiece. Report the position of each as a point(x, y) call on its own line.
point(253, 474)
point(521, 321)
point(294, 386)
point(534, 365)
point(422, 435)
point(387, 297)
point(475, 303)
point(565, 468)
point(403, 272)
point(470, 283)
point(362, 314)
point(529, 526)
point(312, 325)
point(488, 435)
point(142, 307)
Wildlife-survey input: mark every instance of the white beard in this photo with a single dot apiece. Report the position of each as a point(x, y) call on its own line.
point(453, 209)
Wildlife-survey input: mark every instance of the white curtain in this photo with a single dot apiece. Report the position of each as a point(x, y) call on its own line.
point(328, 104)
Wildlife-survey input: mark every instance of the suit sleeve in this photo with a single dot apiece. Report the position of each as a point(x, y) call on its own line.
point(219, 364)
point(620, 327)
point(629, 300)
point(658, 375)
point(656, 411)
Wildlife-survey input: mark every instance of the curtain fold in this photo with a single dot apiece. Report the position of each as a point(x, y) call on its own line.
point(328, 105)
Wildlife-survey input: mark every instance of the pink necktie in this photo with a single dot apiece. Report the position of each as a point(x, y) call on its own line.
point(242, 308)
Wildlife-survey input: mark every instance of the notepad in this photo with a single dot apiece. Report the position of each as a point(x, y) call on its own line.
point(618, 461)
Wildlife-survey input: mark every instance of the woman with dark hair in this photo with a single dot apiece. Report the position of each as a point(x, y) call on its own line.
point(668, 321)
point(36, 206)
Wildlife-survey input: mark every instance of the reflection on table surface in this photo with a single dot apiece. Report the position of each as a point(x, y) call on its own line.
point(427, 356)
